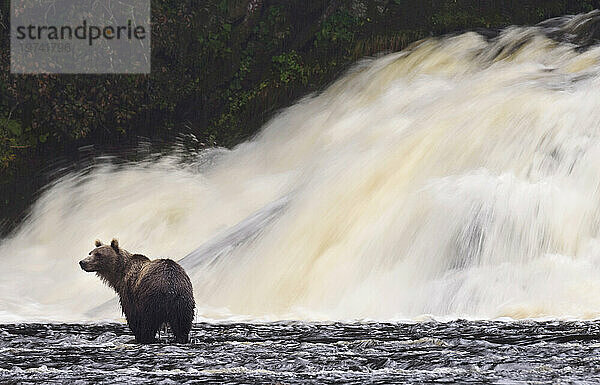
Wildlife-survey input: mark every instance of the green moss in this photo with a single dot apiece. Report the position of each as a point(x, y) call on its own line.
point(340, 28)
point(288, 68)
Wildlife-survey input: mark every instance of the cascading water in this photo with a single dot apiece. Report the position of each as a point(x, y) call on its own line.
point(459, 178)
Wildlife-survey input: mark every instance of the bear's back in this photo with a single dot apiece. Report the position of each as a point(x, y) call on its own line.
point(162, 277)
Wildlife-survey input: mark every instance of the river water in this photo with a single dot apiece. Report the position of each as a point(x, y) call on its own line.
point(305, 353)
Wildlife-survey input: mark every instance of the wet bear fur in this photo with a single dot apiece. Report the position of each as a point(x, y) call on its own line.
point(151, 292)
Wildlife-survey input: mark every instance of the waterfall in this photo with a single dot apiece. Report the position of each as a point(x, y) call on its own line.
point(457, 178)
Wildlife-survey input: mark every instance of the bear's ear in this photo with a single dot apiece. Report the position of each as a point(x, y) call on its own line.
point(115, 244)
point(98, 243)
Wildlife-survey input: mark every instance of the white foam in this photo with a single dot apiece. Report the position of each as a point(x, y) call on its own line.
point(449, 182)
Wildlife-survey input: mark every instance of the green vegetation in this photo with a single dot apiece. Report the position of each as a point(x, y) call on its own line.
point(220, 68)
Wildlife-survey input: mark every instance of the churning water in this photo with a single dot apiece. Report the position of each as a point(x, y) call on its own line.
point(458, 178)
point(522, 352)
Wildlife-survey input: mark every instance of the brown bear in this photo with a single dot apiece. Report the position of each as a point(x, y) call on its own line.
point(152, 293)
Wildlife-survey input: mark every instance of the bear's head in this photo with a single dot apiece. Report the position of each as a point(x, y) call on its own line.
point(107, 261)
point(103, 258)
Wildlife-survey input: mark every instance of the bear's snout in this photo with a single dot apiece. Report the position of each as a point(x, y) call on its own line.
point(84, 265)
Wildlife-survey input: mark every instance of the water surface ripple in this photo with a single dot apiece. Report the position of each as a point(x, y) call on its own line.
point(317, 353)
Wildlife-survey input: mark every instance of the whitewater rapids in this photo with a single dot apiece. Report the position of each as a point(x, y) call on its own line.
point(458, 178)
